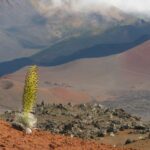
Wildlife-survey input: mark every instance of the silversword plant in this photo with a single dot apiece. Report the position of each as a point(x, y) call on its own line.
point(26, 120)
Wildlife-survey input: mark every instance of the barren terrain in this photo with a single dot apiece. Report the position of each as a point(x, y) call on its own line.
point(96, 79)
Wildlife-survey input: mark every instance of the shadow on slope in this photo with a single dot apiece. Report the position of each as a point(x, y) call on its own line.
point(14, 65)
point(100, 50)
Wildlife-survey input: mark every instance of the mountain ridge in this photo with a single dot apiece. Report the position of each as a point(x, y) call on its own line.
point(100, 51)
point(25, 29)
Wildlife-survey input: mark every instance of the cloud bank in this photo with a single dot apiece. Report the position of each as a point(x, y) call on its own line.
point(134, 6)
point(140, 6)
point(75, 16)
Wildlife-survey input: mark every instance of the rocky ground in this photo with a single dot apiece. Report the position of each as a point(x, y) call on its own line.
point(91, 121)
point(12, 139)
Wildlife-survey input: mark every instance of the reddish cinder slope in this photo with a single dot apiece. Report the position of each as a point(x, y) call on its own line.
point(135, 66)
point(87, 79)
point(137, 59)
point(11, 139)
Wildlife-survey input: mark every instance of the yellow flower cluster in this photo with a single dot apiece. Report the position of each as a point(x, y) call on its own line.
point(30, 89)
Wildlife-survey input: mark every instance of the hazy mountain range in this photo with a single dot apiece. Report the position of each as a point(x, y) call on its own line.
point(27, 27)
point(122, 78)
point(86, 52)
point(45, 33)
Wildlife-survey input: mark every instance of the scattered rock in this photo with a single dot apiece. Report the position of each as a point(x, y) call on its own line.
point(112, 134)
point(140, 126)
point(28, 131)
point(18, 126)
point(141, 138)
point(128, 141)
point(85, 120)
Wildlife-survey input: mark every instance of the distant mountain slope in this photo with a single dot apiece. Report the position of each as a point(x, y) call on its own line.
point(90, 79)
point(113, 41)
point(29, 26)
point(123, 71)
point(20, 35)
point(138, 59)
point(63, 34)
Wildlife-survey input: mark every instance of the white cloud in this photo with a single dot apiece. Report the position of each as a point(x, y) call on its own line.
point(142, 6)
point(129, 6)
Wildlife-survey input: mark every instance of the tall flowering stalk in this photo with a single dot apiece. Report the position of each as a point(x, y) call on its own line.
point(26, 120)
point(30, 89)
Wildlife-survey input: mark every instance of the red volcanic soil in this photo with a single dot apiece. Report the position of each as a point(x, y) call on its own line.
point(11, 139)
point(138, 59)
